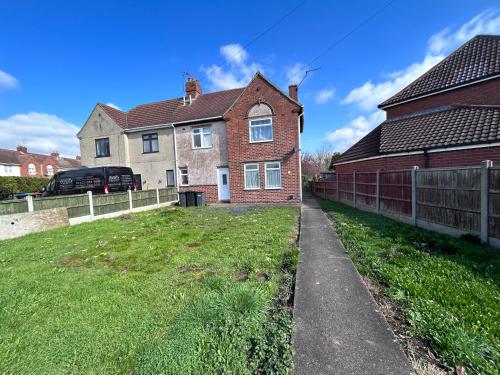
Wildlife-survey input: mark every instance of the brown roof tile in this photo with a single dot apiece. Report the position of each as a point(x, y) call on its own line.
point(477, 59)
point(9, 156)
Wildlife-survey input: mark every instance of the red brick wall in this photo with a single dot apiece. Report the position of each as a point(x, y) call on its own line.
point(487, 92)
point(284, 146)
point(47, 162)
point(211, 193)
point(460, 158)
point(41, 169)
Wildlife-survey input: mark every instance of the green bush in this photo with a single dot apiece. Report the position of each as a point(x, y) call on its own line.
point(15, 185)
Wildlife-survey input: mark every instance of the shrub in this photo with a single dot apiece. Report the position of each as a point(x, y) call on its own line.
point(15, 185)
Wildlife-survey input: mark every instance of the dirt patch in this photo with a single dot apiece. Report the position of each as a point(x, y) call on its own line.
point(125, 217)
point(191, 268)
point(73, 261)
point(242, 276)
point(261, 277)
point(194, 245)
point(423, 359)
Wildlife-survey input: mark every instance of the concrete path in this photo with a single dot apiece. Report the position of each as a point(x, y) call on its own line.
point(338, 328)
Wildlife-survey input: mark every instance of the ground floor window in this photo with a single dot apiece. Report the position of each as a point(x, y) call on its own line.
point(252, 180)
point(184, 176)
point(273, 175)
point(31, 169)
point(170, 178)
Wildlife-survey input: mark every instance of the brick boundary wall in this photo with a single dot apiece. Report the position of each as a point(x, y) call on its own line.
point(211, 191)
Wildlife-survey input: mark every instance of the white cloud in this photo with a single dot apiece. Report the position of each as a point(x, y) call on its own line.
point(8, 81)
point(295, 73)
point(367, 96)
point(345, 137)
point(113, 106)
point(238, 72)
point(40, 132)
point(324, 96)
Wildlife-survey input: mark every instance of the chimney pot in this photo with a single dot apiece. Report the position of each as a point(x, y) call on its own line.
point(54, 154)
point(22, 149)
point(78, 157)
point(193, 88)
point(293, 92)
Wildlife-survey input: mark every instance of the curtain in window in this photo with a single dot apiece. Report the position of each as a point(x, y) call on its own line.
point(207, 137)
point(262, 133)
point(251, 176)
point(273, 175)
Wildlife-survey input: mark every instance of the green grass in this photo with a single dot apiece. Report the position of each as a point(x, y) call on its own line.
point(449, 288)
point(193, 291)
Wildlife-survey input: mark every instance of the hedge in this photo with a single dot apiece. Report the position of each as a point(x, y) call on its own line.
point(15, 185)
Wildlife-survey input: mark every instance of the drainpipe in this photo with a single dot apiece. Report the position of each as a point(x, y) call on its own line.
point(175, 158)
point(300, 157)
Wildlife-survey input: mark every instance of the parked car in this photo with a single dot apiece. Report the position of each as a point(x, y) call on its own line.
point(100, 180)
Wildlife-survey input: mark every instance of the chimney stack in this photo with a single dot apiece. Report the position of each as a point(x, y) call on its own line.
point(54, 154)
point(22, 149)
point(293, 92)
point(78, 157)
point(193, 88)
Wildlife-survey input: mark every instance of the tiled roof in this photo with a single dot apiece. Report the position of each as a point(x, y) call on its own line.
point(453, 126)
point(9, 156)
point(368, 146)
point(174, 110)
point(477, 59)
point(16, 158)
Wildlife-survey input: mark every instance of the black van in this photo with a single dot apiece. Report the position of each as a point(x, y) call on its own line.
point(101, 180)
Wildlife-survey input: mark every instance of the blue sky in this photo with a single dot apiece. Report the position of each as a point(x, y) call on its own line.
point(58, 58)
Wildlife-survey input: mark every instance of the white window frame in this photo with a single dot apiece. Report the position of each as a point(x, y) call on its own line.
point(182, 174)
point(202, 138)
point(245, 176)
point(272, 169)
point(31, 172)
point(250, 126)
point(51, 169)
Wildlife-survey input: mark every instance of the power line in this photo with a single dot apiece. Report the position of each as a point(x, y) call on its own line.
point(345, 36)
point(258, 36)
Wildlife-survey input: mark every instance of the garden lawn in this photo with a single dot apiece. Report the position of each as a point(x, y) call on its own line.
point(173, 291)
point(449, 289)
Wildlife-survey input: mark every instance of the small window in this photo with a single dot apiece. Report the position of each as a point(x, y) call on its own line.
point(261, 130)
point(50, 170)
point(170, 178)
point(252, 180)
point(150, 143)
point(202, 137)
point(184, 176)
point(31, 169)
point(273, 175)
point(102, 147)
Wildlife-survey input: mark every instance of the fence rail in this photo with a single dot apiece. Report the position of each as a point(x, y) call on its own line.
point(79, 205)
point(449, 200)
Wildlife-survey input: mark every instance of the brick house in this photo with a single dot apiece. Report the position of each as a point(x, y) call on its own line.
point(20, 162)
point(448, 117)
point(240, 145)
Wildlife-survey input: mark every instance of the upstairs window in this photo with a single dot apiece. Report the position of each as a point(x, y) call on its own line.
point(202, 137)
point(184, 176)
point(50, 170)
point(102, 147)
point(261, 130)
point(31, 169)
point(252, 180)
point(150, 143)
point(273, 175)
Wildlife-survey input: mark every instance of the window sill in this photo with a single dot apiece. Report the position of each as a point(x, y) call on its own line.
point(151, 152)
point(250, 189)
point(272, 188)
point(201, 148)
point(260, 141)
point(102, 156)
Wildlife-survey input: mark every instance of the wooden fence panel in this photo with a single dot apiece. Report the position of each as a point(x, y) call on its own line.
point(366, 188)
point(450, 197)
point(345, 187)
point(77, 205)
point(107, 203)
point(13, 207)
point(494, 203)
point(395, 192)
point(143, 198)
point(331, 189)
point(168, 195)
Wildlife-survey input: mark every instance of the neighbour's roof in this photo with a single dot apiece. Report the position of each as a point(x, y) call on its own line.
point(15, 157)
point(450, 126)
point(476, 60)
point(174, 110)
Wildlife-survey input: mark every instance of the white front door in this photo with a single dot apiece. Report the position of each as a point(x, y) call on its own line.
point(223, 184)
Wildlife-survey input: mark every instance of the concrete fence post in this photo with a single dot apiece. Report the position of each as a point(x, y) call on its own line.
point(485, 165)
point(91, 205)
point(377, 192)
point(354, 189)
point(157, 197)
point(29, 198)
point(414, 195)
point(130, 200)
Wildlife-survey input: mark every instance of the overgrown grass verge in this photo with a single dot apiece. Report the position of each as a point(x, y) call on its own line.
point(171, 291)
point(448, 289)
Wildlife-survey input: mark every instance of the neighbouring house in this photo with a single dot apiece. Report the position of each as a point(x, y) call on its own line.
point(240, 145)
point(448, 117)
point(20, 162)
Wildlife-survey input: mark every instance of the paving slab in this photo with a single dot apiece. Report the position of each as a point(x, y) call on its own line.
point(338, 327)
